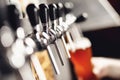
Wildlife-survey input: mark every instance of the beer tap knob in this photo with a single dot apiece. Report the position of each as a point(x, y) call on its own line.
point(53, 15)
point(53, 11)
point(44, 16)
point(61, 24)
point(60, 12)
point(68, 7)
point(13, 17)
point(81, 18)
point(14, 21)
point(32, 12)
point(3, 12)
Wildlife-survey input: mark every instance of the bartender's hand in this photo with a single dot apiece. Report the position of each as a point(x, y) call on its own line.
point(106, 67)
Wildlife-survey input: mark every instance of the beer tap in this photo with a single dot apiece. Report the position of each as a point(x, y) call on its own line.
point(44, 17)
point(64, 11)
point(6, 40)
point(17, 53)
point(58, 41)
point(61, 24)
point(32, 12)
point(14, 21)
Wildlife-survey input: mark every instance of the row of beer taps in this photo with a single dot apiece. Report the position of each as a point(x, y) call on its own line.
point(49, 23)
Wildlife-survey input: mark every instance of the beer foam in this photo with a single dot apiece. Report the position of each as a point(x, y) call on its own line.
point(82, 43)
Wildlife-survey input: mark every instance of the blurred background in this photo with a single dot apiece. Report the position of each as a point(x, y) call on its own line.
point(102, 26)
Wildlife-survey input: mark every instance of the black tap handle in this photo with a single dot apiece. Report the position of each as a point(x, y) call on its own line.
point(13, 16)
point(68, 7)
point(53, 11)
point(32, 12)
point(81, 18)
point(60, 9)
point(44, 16)
point(44, 13)
point(3, 13)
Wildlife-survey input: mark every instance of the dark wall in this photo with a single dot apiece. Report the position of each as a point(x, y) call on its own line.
point(105, 42)
point(116, 5)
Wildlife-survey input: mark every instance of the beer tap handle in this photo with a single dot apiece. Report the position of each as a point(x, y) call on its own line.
point(81, 17)
point(13, 17)
point(68, 7)
point(32, 12)
point(60, 12)
point(53, 11)
point(53, 15)
point(44, 16)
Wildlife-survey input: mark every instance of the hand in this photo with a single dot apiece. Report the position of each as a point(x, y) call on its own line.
point(106, 67)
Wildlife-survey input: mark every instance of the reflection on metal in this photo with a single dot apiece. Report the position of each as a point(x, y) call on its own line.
point(111, 11)
point(50, 50)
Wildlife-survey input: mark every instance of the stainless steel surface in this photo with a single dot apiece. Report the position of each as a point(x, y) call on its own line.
point(38, 67)
point(53, 61)
point(58, 44)
point(65, 71)
point(65, 46)
point(26, 72)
